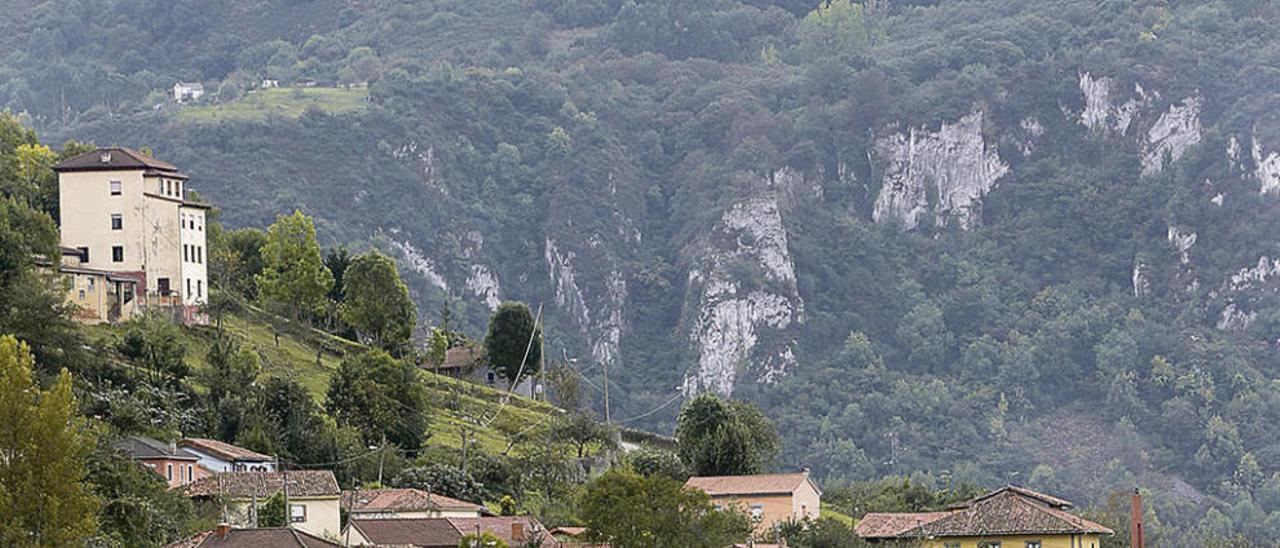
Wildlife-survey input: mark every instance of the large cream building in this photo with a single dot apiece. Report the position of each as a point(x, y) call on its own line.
point(126, 213)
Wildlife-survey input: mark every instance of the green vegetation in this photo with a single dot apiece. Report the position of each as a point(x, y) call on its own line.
point(260, 105)
point(724, 438)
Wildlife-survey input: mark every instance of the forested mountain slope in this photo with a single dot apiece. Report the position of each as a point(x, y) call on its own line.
point(945, 237)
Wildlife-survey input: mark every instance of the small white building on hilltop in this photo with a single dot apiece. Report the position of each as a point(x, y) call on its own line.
point(124, 213)
point(187, 91)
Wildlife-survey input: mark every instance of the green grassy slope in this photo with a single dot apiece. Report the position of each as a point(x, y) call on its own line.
point(455, 404)
point(287, 102)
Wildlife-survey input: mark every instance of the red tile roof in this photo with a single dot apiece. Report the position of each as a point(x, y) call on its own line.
point(460, 357)
point(302, 483)
point(1006, 511)
point(223, 450)
point(255, 538)
point(762, 484)
point(403, 500)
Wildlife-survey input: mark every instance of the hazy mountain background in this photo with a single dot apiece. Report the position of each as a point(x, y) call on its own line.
point(972, 240)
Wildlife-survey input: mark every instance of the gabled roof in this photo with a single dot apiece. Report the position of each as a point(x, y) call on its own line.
point(224, 450)
point(118, 159)
point(761, 484)
point(273, 537)
point(460, 357)
point(403, 500)
point(139, 447)
point(243, 485)
point(1006, 511)
point(446, 532)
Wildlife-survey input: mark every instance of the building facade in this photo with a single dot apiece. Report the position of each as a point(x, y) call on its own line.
point(175, 465)
point(125, 213)
point(768, 499)
point(220, 456)
point(314, 497)
point(1010, 517)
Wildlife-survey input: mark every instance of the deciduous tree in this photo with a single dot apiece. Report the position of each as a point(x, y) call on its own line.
point(377, 303)
point(513, 335)
point(293, 275)
point(628, 510)
point(715, 437)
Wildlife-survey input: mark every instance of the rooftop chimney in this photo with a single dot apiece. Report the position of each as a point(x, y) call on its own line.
point(223, 530)
point(1137, 535)
point(517, 531)
point(105, 157)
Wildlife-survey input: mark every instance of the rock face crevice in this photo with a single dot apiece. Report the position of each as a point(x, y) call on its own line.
point(1177, 130)
point(1266, 166)
point(1170, 136)
point(742, 293)
point(601, 325)
point(1247, 283)
point(953, 165)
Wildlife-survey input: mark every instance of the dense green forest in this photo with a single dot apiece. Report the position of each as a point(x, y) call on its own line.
point(968, 241)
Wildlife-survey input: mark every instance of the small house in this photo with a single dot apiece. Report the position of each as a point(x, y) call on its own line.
point(406, 504)
point(177, 466)
point(768, 499)
point(220, 456)
point(313, 497)
point(187, 91)
point(1009, 517)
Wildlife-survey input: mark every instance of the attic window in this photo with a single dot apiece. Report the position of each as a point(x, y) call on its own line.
point(105, 157)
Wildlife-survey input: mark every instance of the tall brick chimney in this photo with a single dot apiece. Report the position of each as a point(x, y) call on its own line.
point(517, 531)
point(223, 530)
point(1137, 534)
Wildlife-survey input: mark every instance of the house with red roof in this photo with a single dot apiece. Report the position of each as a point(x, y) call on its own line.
point(313, 497)
point(445, 532)
point(406, 504)
point(1009, 517)
point(220, 456)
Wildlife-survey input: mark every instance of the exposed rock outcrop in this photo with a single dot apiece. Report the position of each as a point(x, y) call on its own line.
point(1177, 130)
point(1101, 113)
point(1246, 283)
point(602, 325)
point(1266, 167)
point(743, 292)
point(418, 262)
point(1183, 240)
point(953, 163)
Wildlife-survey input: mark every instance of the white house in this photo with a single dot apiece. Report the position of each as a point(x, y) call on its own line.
point(187, 91)
point(218, 456)
point(313, 495)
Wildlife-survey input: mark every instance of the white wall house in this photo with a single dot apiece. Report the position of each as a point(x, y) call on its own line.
point(218, 456)
point(187, 91)
point(127, 214)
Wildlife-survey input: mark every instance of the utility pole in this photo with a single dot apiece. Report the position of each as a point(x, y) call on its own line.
point(382, 459)
point(284, 477)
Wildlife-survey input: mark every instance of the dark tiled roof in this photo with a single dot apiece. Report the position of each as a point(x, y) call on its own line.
point(761, 484)
point(118, 159)
point(223, 450)
point(302, 483)
point(140, 447)
point(256, 538)
point(409, 532)
point(1007, 511)
point(403, 500)
point(460, 357)
point(446, 532)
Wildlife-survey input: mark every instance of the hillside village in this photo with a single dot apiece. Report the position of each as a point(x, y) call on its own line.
point(640, 273)
point(141, 254)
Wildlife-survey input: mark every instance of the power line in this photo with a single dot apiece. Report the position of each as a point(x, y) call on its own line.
point(654, 410)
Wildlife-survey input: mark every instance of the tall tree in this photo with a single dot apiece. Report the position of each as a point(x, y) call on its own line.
point(381, 397)
point(377, 303)
point(513, 334)
point(293, 275)
point(337, 260)
point(626, 510)
point(33, 299)
point(715, 437)
point(44, 447)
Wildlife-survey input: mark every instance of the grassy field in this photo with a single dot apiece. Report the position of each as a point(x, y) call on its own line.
point(287, 102)
point(310, 356)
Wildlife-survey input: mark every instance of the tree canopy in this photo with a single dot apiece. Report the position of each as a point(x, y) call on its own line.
point(293, 273)
point(513, 344)
point(715, 437)
point(377, 303)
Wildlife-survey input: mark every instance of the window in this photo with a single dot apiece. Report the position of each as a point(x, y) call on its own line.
point(989, 544)
point(186, 253)
point(1033, 544)
point(117, 221)
point(191, 473)
point(200, 254)
point(82, 294)
point(163, 286)
point(169, 471)
point(117, 254)
point(168, 187)
point(117, 188)
point(297, 513)
point(188, 286)
point(84, 254)
point(200, 293)
point(90, 280)
point(757, 512)
point(951, 544)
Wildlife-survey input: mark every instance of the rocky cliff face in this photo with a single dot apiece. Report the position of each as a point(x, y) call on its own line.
point(944, 173)
point(595, 305)
point(742, 292)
